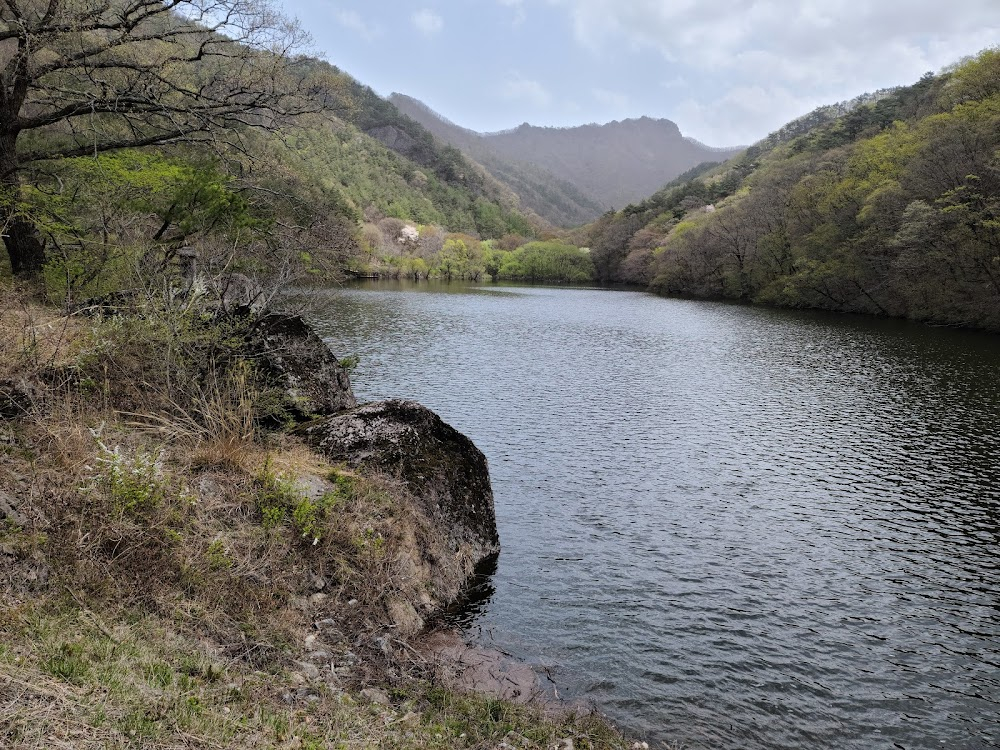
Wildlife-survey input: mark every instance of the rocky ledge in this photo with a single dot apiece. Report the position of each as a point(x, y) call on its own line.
point(446, 478)
point(289, 355)
point(442, 512)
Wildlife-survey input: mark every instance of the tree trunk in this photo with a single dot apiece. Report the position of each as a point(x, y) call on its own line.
point(24, 246)
point(26, 251)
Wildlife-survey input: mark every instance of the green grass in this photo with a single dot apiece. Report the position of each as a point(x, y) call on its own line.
point(135, 681)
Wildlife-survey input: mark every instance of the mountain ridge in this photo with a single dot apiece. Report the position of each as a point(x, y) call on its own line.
point(886, 204)
point(611, 164)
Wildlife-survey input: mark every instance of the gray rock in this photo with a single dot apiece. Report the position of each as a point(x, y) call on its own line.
point(374, 695)
point(9, 511)
point(330, 630)
point(441, 466)
point(16, 398)
point(446, 499)
point(290, 355)
point(392, 137)
point(309, 671)
point(233, 293)
point(307, 694)
point(209, 488)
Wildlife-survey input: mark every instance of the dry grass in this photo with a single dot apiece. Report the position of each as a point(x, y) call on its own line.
point(33, 336)
point(180, 579)
point(69, 678)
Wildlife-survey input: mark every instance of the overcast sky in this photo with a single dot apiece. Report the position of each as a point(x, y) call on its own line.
point(727, 72)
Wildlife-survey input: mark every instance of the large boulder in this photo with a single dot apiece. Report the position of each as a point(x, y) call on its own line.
point(290, 355)
point(445, 474)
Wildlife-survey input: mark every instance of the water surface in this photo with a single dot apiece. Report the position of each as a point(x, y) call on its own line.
point(727, 527)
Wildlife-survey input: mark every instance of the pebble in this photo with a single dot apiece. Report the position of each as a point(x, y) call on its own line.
point(310, 671)
point(330, 630)
point(375, 695)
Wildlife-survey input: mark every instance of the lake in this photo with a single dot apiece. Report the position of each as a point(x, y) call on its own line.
point(724, 526)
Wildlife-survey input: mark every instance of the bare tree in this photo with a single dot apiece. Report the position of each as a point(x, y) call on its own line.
point(81, 77)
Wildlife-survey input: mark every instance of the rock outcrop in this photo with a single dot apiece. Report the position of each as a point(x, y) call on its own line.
point(446, 477)
point(290, 355)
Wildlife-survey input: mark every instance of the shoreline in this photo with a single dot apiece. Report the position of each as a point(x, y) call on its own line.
point(172, 577)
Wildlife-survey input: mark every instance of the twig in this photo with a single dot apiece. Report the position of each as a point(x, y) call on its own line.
point(94, 619)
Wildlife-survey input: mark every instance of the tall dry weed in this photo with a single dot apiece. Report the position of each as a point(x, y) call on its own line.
point(32, 336)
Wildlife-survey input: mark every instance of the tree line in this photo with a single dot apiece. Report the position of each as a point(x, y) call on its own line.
point(130, 129)
point(890, 207)
point(393, 248)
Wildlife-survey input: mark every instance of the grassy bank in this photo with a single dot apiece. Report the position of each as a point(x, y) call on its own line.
point(178, 571)
point(76, 678)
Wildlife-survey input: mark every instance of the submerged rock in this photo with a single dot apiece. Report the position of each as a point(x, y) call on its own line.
point(289, 354)
point(447, 482)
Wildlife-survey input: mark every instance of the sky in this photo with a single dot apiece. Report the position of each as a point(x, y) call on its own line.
point(727, 72)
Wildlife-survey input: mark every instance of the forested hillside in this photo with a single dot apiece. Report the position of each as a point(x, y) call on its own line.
point(553, 198)
point(887, 205)
point(570, 175)
point(129, 131)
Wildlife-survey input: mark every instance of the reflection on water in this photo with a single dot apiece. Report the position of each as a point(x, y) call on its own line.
point(726, 526)
point(477, 597)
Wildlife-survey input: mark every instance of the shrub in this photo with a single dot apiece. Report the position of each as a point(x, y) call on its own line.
point(134, 483)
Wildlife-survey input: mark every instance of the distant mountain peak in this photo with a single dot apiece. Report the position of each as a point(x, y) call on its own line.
point(610, 164)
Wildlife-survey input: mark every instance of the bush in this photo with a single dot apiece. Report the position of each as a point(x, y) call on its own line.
point(547, 261)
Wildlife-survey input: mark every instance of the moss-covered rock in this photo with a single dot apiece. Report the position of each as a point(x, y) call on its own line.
point(289, 354)
point(446, 474)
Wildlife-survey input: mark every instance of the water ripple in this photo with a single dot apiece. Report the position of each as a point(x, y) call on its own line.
point(728, 527)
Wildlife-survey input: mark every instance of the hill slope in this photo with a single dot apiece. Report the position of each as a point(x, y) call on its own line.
point(577, 173)
point(464, 196)
point(292, 198)
point(888, 205)
point(554, 198)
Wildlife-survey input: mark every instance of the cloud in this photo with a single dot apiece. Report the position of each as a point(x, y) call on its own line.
point(802, 41)
point(611, 99)
point(516, 88)
point(427, 22)
point(792, 54)
point(676, 82)
point(742, 114)
point(352, 21)
point(520, 15)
